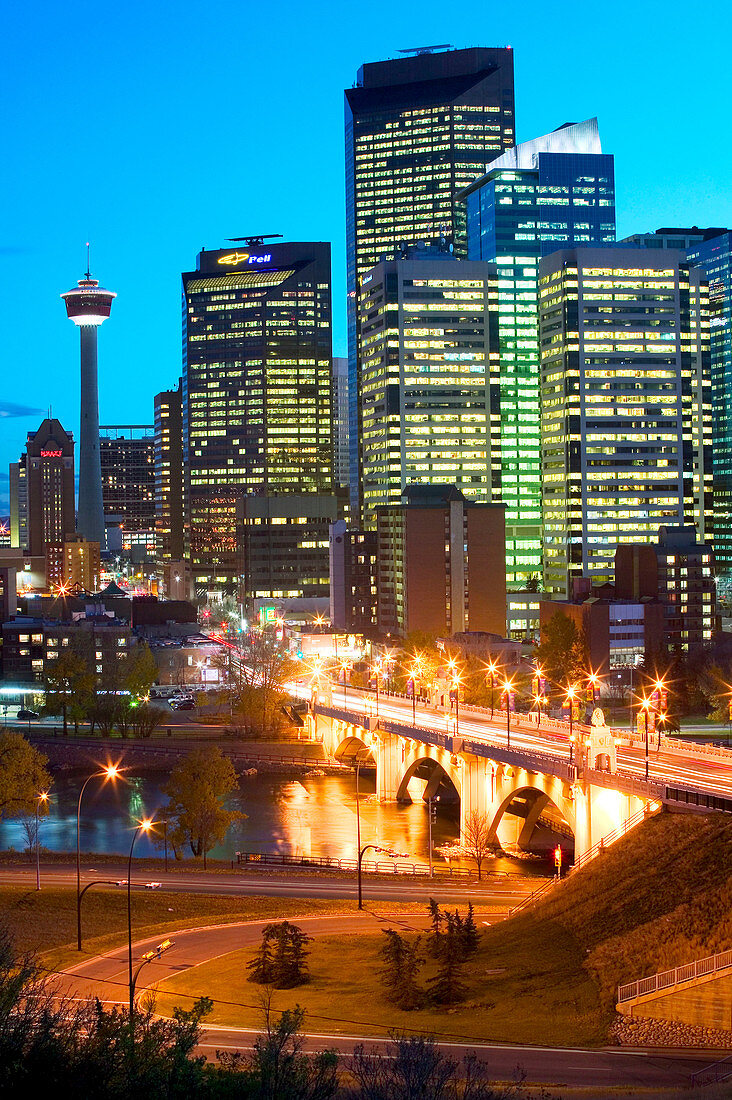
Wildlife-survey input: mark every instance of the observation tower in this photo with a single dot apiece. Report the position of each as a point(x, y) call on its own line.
point(88, 305)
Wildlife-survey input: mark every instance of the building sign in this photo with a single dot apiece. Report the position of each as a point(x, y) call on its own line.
point(233, 259)
point(51, 454)
point(267, 615)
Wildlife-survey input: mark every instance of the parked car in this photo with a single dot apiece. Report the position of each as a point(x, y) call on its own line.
point(27, 715)
point(184, 704)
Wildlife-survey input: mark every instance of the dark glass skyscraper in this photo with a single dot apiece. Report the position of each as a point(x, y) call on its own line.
point(418, 130)
point(256, 392)
point(550, 193)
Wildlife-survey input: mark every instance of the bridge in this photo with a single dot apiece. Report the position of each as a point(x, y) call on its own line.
point(519, 772)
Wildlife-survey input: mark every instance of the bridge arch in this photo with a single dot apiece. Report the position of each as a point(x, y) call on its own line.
point(520, 802)
point(440, 775)
point(353, 748)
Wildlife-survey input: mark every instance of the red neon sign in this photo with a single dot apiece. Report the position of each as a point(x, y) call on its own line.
point(51, 454)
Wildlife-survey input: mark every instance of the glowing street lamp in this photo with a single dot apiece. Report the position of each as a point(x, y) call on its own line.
point(41, 798)
point(570, 695)
point(645, 705)
point(144, 826)
point(594, 682)
point(508, 688)
point(491, 670)
point(112, 771)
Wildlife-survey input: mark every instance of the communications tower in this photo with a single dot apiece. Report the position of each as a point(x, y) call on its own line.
point(88, 305)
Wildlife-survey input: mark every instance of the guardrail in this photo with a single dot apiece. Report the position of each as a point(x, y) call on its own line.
point(712, 1074)
point(606, 841)
point(533, 896)
point(670, 979)
point(161, 749)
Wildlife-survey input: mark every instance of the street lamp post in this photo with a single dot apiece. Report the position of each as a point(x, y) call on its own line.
point(42, 797)
point(491, 669)
point(570, 697)
point(645, 706)
point(110, 772)
point(144, 826)
point(508, 687)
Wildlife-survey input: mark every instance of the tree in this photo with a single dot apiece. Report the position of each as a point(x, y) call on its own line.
point(414, 1068)
point(280, 960)
point(280, 1071)
point(478, 839)
point(447, 985)
point(258, 683)
point(144, 720)
point(69, 686)
point(401, 963)
point(563, 649)
point(471, 936)
point(196, 790)
point(141, 672)
point(436, 927)
point(23, 774)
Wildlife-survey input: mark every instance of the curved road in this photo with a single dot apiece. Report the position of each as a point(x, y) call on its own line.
point(105, 976)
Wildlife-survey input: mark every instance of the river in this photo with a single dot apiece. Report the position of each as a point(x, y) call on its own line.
point(311, 815)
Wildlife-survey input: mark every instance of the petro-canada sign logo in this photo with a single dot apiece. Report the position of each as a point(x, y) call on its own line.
point(233, 259)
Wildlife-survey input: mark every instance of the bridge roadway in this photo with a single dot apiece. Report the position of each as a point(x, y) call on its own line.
point(688, 767)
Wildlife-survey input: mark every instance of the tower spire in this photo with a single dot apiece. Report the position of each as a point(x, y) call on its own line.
point(88, 264)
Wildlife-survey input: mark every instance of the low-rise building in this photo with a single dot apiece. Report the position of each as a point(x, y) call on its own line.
point(352, 558)
point(30, 646)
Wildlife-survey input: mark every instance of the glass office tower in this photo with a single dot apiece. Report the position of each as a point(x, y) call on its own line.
point(429, 377)
point(553, 192)
point(418, 130)
point(625, 405)
point(256, 392)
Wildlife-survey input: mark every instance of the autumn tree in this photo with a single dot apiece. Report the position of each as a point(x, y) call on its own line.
point(140, 672)
point(69, 686)
point(258, 681)
point(196, 791)
point(23, 774)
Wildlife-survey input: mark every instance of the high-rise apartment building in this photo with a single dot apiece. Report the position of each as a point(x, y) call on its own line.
point(711, 250)
point(18, 484)
point(168, 463)
point(418, 130)
point(256, 392)
point(340, 421)
point(556, 191)
point(126, 453)
point(626, 405)
point(430, 401)
point(49, 495)
point(440, 564)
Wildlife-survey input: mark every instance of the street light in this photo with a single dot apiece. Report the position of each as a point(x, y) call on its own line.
point(377, 848)
point(112, 771)
point(570, 695)
point(346, 667)
point(508, 688)
point(491, 669)
point(645, 704)
point(144, 826)
point(42, 797)
point(594, 681)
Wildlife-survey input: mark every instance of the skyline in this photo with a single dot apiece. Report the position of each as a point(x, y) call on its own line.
point(149, 213)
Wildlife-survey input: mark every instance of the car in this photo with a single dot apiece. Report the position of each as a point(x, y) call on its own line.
point(153, 885)
point(27, 715)
point(184, 704)
point(122, 882)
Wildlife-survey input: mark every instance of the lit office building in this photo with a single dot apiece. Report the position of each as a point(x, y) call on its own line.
point(128, 486)
point(429, 376)
point(556, 191)
point(626, 405)
point(711, 250)
point(168, 463)
point(42, 496)
point(418, 130)
point(340, 421)
point(256, 392)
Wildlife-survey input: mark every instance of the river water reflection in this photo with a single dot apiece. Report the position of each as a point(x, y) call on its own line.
point(311, 815)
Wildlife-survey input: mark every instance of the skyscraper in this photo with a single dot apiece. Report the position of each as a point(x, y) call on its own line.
point(169, 475)
point(256, 392)
point(429, 376)
point(49, 463)
point(88, 306)
point(553, 192)
point(626, 405)
point(128, 484)
point(340, 421)
point(418, 129)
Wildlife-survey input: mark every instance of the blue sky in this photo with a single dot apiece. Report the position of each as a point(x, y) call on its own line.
point(154, 129)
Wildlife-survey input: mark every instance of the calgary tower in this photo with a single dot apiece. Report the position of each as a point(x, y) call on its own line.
point(88, 305)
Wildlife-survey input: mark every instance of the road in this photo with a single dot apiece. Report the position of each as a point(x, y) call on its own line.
point(106, 977)
point(494, 890)
point(688, 767)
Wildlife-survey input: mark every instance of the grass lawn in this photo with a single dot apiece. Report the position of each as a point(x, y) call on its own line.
point(521, 994)
point(45, 921)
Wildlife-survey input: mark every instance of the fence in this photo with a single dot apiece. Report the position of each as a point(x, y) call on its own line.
point(669, 979)
point(381, 867)
point(717, 1071)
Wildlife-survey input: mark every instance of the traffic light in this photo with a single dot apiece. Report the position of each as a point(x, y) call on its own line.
point(558, 857)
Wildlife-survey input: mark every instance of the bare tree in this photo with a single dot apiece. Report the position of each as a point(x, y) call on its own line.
point(477, 841)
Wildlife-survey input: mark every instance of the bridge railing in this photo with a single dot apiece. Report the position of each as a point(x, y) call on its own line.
point(670, 979)
point(606, 841)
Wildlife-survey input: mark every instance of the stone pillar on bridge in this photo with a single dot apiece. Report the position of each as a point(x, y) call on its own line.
point(390, 752)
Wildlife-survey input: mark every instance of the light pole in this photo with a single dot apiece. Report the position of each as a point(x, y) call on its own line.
point(508, 688)
point(110, 772)
point(491, 670)
point(456, 689)
point(42, 797)
point(144, 826)
point(431, 810)
point(570, 695)
point(645, 707)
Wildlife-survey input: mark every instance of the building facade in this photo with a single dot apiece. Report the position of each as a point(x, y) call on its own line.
point(168, 466)
point(126, 453)
point(352, 579)
point(256, 392)
point(554, 192)
point(626, 405)
point(82, 564)
point(418, 130)
point(340, 421)
point(440, 564)
point(430, 398)
point(50, 517)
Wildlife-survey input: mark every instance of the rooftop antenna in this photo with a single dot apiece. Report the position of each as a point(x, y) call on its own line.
point(88, 264)
point(428, 49)
point(252, 242)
